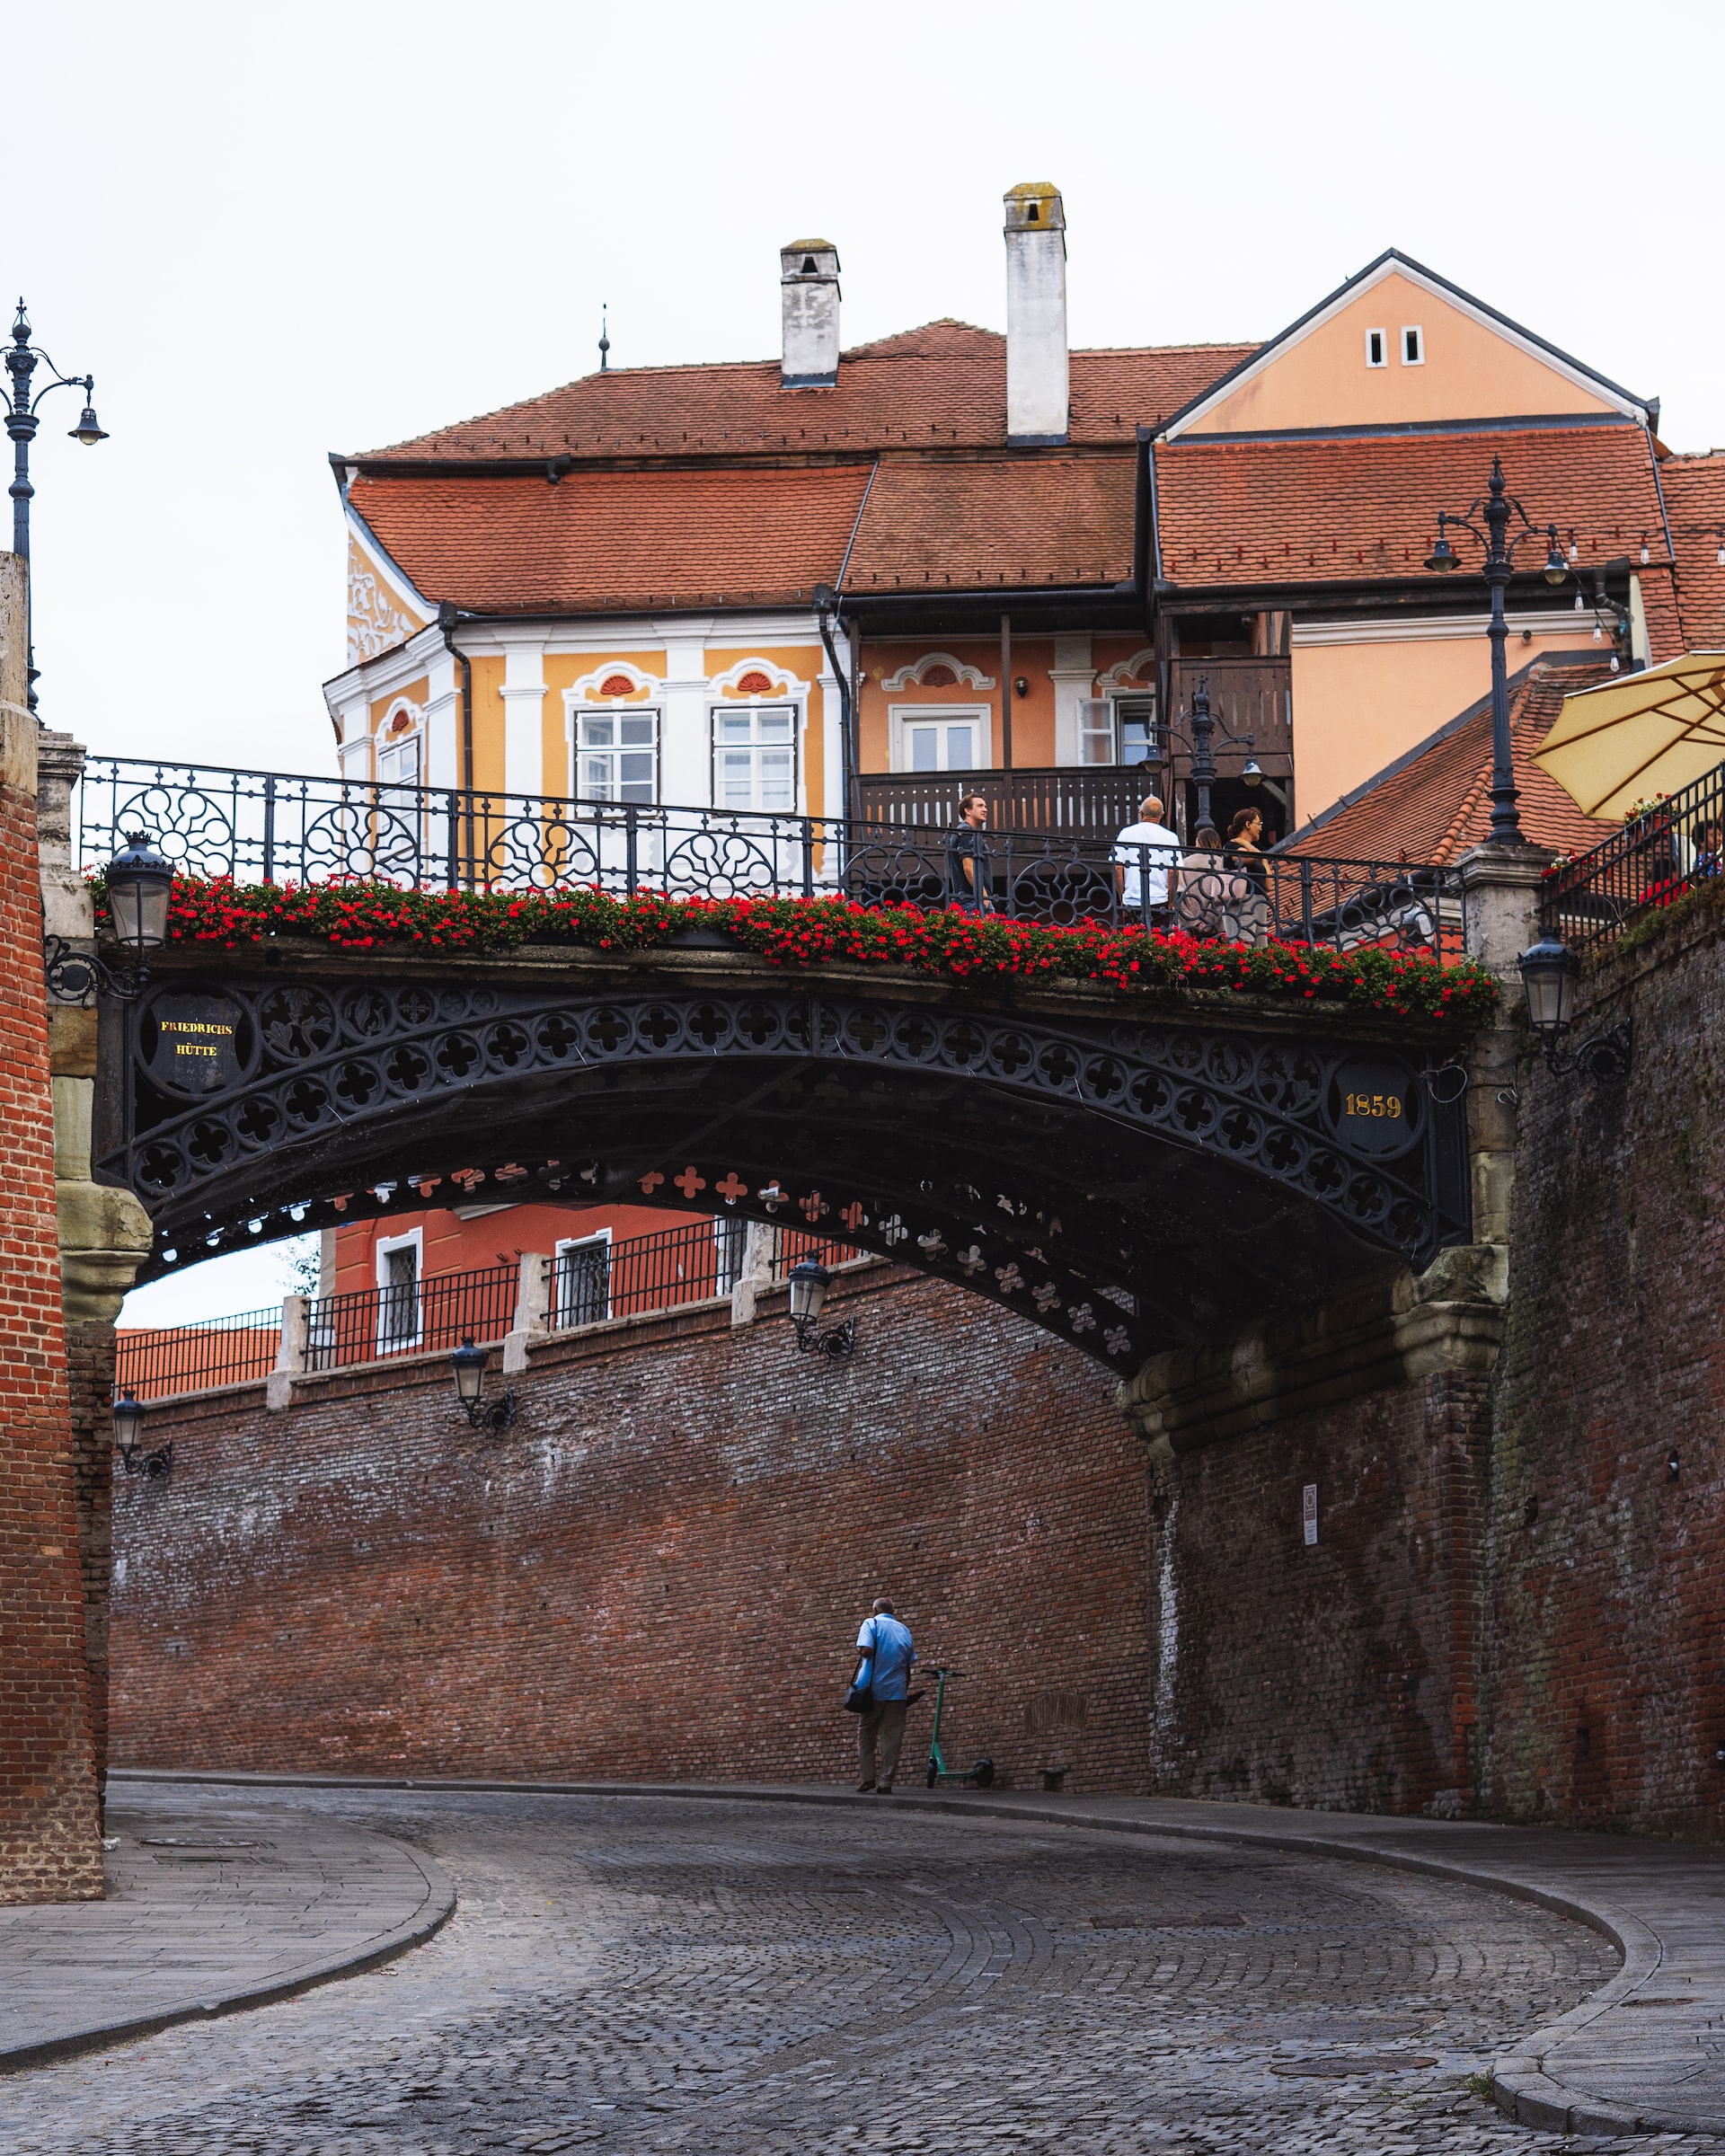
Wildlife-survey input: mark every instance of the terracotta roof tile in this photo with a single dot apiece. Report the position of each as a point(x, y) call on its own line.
point(1365, 506)
point(940, 386)
point(1434, 803)
point(1694, 500)
point(1033, 520)
point(616, 540)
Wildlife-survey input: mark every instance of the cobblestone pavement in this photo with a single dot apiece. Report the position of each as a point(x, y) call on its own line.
point(643, 1974)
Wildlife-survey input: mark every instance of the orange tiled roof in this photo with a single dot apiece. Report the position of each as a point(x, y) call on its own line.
point(1694, 500)
point(608, 541)
point(1038, 520)
point(940, 386)
point(1434, 803)
point(1364, 508)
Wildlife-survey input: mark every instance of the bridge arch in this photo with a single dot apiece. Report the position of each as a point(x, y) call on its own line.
point(1129, 1180)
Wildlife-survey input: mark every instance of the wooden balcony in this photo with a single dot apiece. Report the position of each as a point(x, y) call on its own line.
point(1247, 696)
point(1088, 798)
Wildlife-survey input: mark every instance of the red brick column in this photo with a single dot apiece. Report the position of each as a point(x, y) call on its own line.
point(49, 1838)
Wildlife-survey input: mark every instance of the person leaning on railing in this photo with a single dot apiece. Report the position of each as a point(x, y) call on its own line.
point(1147, 872)
point(969, 872)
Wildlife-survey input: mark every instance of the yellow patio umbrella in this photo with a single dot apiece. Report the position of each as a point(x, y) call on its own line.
point(1643, 735)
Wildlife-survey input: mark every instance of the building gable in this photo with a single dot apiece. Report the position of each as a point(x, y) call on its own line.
point(1351, 364)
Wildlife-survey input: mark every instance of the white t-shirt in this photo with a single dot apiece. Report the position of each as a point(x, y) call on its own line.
point(1156, 848)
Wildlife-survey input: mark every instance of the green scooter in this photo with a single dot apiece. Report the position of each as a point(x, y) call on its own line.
point(983, 1772)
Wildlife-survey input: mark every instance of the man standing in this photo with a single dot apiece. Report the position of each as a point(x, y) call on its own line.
point(887, 1652)
point(1147, 856)
point(968, 873)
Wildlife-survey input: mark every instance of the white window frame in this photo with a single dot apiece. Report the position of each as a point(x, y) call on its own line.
point(560, 1249)
point(1117, 697)
point(383, 743)
point(414, 1241)
point(904, 716)
point(735, 707)
point(1383, 359)
point(1415, 331)
point(619, 709)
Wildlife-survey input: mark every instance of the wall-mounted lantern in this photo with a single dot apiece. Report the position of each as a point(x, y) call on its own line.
point(467, 1365)
point(128, 1436)
point(139, 884)
point(809, 1281)
point(1549, 972)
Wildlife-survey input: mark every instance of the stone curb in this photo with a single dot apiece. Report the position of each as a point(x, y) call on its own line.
point(435, 1909)
point(1521, 2087)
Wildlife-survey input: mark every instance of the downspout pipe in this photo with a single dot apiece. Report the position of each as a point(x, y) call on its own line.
point(826, 609)
point(448, 614)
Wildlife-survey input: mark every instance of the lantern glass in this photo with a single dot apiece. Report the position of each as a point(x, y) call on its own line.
point(1548, 974)
point(140, 885)
point(809, 1283)
point(468, 1363)
point(129, 1421)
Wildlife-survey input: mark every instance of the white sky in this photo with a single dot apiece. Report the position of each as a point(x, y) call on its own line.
point(275, 232)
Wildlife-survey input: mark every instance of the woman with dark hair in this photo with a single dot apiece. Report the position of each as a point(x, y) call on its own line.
point(1248, 857)
point(1213, 895)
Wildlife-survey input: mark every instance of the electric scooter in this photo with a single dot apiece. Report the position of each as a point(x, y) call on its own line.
point(983, 1772)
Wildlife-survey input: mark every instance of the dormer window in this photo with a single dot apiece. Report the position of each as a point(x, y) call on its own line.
point(1413, 347)
point(1378, 347)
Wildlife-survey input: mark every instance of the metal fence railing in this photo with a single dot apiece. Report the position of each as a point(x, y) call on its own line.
point(273, 827)
point(153, 1362)
point(412, 1317)
point(1669, 848)
point(591, 1281)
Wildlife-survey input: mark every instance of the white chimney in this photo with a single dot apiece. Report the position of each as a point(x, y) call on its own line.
point(1038, 391)
point(809, 295)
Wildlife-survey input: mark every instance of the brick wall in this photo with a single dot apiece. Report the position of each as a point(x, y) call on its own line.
point(1605, 1666)
point(1338, 1675)
point(49, 1847)
point(659, 1571)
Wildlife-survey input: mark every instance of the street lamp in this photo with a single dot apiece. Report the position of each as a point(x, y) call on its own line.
point(1497, 508)
point(139, 884)
point(22, 359)
point(1200, 741)
point(809, 1281)
point(1549, 973)
point(467, 1366)
point(128, 1428)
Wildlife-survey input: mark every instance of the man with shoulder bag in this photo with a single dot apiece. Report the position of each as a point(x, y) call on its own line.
point(881, 1693)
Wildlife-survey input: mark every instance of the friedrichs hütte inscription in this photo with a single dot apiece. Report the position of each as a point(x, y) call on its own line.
point(196, 1047)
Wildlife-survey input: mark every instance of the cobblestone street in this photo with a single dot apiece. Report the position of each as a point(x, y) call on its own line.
point(642, 1973)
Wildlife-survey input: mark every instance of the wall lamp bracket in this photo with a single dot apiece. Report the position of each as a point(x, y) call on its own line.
point(1549, 973)
point(809, 1281)
point(467, 1367)
point(77, 976)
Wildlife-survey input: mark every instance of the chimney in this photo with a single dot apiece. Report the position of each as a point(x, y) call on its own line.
point(1038, 391)
point(808, 293)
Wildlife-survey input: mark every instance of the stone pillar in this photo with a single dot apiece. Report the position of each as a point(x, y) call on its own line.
point(50, 1845)
point(758, 1248)
point(532, 1312)
point(104, 1234)
point(293, 1353)
point(1501, 885)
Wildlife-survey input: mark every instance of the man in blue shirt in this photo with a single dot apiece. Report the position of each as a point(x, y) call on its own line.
point(887, 1652)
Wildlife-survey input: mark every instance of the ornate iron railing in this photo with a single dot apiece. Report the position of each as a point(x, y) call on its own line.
point(272, 828)
point(1659, 855)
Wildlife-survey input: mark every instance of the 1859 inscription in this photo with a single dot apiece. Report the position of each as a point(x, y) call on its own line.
point(1374, 1108)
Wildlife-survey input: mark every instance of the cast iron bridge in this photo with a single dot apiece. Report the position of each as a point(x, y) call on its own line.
point(1129, 1178)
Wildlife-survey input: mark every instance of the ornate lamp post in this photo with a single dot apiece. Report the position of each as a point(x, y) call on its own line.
point(1496, 508)
point(23, 359)
point(1199, 740)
